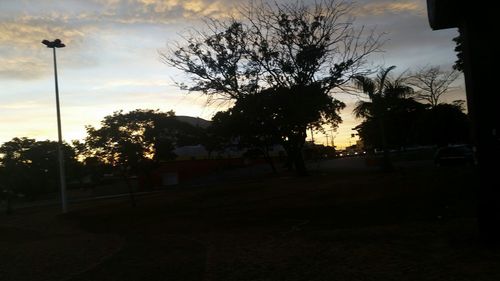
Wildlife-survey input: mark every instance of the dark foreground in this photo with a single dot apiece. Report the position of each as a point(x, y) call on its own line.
point(412, 224)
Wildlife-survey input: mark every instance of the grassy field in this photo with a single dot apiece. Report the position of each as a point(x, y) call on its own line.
point(410, 224)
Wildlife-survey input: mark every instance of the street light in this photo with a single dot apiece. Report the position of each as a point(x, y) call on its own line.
point(62, 178)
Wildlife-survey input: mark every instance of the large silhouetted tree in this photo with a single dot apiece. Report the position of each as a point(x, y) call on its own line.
point(431, 83)
point(387, 112)
point(278, 116)
point(444, 124)
point(293, 50)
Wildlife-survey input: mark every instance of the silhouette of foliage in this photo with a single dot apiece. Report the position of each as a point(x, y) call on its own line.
point(30, 167)
point(401, 126)
point(388, 113)
point(295, 51)
point(244, 127)
point(274, 45)
point(134, 142)
point(393, 119)
point(278, 116)
point(459, 49)
point(444, 124)
point(130, 139)
point(431, 83)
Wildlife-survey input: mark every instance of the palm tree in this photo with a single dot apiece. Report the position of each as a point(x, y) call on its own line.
point(384, 95)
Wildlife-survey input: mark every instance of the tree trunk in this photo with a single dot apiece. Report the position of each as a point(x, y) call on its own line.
point(130, 189)
point(293, 147)
point(300, 164)
point(269, 160)
point(386, 163)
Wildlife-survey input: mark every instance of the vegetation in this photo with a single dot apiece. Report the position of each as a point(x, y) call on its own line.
point(442, 125)
point(278, 65)
point(386, 99)
point(394, 119)
point(136, 142)
point(131, 139)
point(459, 49)
point(277, 116)
point(30, 168)
point(283, 55)
point(431, 83)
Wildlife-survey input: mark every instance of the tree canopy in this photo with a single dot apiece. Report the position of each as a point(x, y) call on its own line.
point(392, 118)
point(29, 167)
point(288, 57)
point(388, 112)
point(137, 137)
point(431, 83)
point(274, 45)
point(459, 49)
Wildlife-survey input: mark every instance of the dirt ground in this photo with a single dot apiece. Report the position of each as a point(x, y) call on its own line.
point(410, 224)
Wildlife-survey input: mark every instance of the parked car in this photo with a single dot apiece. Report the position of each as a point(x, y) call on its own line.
point(455, 156)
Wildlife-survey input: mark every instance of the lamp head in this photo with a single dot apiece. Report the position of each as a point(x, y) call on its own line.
point(53, 44)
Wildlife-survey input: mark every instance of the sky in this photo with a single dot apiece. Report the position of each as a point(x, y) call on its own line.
point(112, 61)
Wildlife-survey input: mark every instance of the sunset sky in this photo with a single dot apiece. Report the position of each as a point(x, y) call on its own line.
point(111, 61)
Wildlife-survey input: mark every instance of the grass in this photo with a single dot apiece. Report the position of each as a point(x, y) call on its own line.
point(411, 224)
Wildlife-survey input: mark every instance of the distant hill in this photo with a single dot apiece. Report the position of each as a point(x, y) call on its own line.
point(195, 121)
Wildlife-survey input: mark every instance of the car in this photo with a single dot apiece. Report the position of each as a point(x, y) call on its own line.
point(456, 155)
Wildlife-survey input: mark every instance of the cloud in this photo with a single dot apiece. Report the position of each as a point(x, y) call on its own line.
point(81, 26)
point(26, 32)
point(378, 8)
point(23, 68)
point(158, 11)
point(23, 55)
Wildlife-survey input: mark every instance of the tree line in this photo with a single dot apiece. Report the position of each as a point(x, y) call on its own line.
point(125, 144)
point(407, 110)
point(278, 65)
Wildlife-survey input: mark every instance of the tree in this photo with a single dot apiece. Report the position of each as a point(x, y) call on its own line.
point(459, 49)
point(29, 167)
point(277, 116)
point(292, 50)
point(431, 83)
point(13, 169)
point(168, 132)
point(131, 142)
point(237, 127)
point(128, 139)
point(444, 124)
point(388, 113)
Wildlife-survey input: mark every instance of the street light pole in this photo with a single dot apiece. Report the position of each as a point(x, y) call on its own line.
point(62, 177)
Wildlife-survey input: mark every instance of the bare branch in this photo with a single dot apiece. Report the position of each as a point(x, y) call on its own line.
point(270, 45)
point(431, 83)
